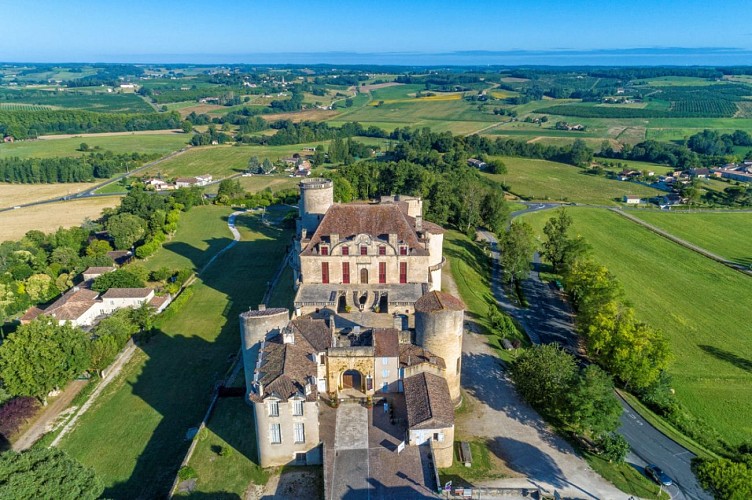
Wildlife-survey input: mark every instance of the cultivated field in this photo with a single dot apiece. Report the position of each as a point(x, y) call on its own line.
point(547, 180)
point(12, 195)
point(700, 305)
point(166, 389)
point(724, 234)
point(127, 142)
point(47, 218)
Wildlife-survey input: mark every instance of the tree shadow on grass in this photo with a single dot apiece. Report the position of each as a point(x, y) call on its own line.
point(729, 357)
point(188, 355)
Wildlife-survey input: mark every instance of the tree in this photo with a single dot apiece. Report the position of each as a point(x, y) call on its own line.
point(98, 247)
point(725, 479)
point(41, 356)
point(543, 375)
point(186, 126)
point(41, 288)
point(126, 229)
point(557, 238)
point(83, 147)
point(46, 473)
point(614, 447)
point(496, 167)
point(230, 188)
point(593, 408)
point(494, 211)
point(253, 164)
point(516, 251)
point(119, 278)
point(102, 351)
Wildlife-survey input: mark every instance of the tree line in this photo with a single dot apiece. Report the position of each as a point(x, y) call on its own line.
point(30, 124)
point(81, 169)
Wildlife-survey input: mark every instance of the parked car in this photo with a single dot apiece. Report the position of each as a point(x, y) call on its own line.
point(656, 474)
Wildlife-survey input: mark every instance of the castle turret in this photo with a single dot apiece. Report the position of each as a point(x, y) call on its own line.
point(255, 327)
point(316, 196)
point(439, 325)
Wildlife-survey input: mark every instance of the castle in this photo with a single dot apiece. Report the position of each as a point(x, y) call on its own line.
point(371, 324)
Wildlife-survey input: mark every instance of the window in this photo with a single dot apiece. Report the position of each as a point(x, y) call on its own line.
point(385, 373)
point(297, 408)
point(403, 272)
point(363, 250)
point(275, 434)
point(382, 272)
point(403, 250)
point(299, 433)
point(438, 436)
point(382, 250)
point(325, 272)
point(345, 272)
point(274, 408)
point(324, 250)
point(345, 250)
point(384, 361)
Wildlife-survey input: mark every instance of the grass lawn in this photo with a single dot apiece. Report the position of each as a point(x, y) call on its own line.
point(258, 183)
point(484, 466)
point(144, 416)
point(230, 427)
point(700, 305)
point(547, 180)
point(68, 146)
point(719, 233)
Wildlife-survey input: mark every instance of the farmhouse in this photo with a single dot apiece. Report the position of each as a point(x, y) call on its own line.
point(631, 199)
point(699, 173)
point(92, 273)
point(474, 162)
point(199, 180)
point(370, 326)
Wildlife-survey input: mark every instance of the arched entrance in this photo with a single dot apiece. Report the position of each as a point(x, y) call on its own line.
point(364, 276)
point(351, 379)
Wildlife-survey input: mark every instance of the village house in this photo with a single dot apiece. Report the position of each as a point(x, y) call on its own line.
point(631, 199)
point(699, 173)
point(474, 162)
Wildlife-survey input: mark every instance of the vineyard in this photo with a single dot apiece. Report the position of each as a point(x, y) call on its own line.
point(7, 106)
point(87, 100)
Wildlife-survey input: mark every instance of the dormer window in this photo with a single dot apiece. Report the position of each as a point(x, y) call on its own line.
point(297, 407)
point(345, 250)
point(273, 407)
point(324, 250)
point(403, 249)
point(382, 250)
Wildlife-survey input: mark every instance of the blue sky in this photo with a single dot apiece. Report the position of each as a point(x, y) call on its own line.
point(239, 31)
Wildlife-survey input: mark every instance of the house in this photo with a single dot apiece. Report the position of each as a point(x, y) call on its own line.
point(120, 298)
point(120, 257)
point(474, 162)
point(93, 273)
point(631, 199)
point(699, 173)
point(158, 184)
point(203, 180)
point(79, 306)
point(185, 182)
point(8, 138)
point(626, 175)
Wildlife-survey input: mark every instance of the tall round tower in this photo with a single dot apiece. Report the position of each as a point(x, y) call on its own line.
point(439, 325)
point(316, 196)
point(255, 326)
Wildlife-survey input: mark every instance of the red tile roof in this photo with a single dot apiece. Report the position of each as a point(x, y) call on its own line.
point(438, 301)
point(429, 405)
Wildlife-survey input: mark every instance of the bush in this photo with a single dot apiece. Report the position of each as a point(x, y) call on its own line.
point(186, 472)
point(613, 447)
point(15, 413)
point(725, 479)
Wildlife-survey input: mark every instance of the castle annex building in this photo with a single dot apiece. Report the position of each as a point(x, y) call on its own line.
point(373, 340)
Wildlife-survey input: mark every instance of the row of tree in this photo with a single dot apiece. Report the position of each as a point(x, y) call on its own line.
point(85, 168)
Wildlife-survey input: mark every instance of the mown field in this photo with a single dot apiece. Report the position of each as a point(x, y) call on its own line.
point(165, 390)
point(68, 146)
point(725, 234)
point(47, 218)
point(12, 195)
point(547, 180)
point(700, 305)
point(258, 183)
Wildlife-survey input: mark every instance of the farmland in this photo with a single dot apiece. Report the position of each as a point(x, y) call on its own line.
point(12, 195)
point(716, 232)
point(47, 218)
point(88, 100)
point(546, 180)
point(161, 143)
point(696, 302)
point(165, 390)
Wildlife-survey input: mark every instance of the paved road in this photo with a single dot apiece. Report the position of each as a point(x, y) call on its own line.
point(549, 319)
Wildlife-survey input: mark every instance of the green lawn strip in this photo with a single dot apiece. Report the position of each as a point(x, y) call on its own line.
point(112, 188)
point(696, 302)
point(283, 294)
point(547, 180)
point(165, 390)
point(135, 143)
point(665, 427)
point(625, 477)
point(231, 428)
point(483, 467)
point(716, 232)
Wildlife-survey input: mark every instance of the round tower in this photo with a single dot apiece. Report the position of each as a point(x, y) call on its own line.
point(255, 326)
point(316, 196)
point(439, 325)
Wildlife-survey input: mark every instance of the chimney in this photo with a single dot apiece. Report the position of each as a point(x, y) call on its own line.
point(418, 223)
point(262, 307)
point(288, 336)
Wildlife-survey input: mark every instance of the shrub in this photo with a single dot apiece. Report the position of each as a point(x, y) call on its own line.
point(613, 447)
point(186, 472)
point(725, 479)
point(15, 413)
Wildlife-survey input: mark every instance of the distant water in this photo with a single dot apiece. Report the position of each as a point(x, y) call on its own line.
point(613, 57)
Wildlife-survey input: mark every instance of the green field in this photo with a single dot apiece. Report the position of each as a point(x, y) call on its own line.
point(258, 183)
point(131, 143)
point(88, 100)
point(547, 180)
point(720, 233)
point(144, 415)
point(700, 305)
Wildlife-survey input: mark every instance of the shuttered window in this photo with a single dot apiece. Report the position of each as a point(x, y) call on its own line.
point(299, 433)
point(275, 434)
point(382, 272)
point(403, 272)
point(325, 272)
point(297, 408)
point(345, 272)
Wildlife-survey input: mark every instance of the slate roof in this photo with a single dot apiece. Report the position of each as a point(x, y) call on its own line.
point(438, 301)
point(411, 355)
point(377, 220)
point(386, 342)
point(127, 293)
point(428, 403)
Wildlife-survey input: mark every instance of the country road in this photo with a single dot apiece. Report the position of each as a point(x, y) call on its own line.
point(549, 319)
